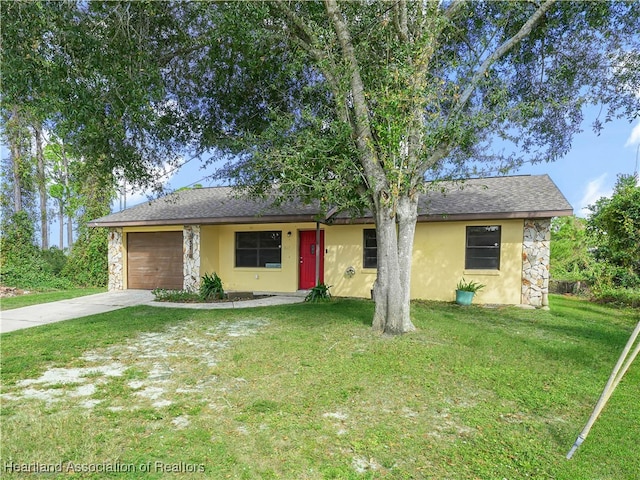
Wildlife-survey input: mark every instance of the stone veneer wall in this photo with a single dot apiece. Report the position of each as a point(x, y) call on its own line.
point(535, 262)
point(191, 256)
point(116, 260)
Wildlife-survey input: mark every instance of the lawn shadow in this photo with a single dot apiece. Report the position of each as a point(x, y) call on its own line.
point(574, 334)
point(336, 311)
point(559, 325)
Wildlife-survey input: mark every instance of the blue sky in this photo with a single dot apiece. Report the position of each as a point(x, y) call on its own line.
point(589, 171)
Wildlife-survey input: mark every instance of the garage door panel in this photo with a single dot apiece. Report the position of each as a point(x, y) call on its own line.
point(154, 260)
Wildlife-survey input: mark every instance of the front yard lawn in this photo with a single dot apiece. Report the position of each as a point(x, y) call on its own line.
point(308, 391)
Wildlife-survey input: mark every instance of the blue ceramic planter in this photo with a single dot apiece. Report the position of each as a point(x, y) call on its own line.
point(463, 297)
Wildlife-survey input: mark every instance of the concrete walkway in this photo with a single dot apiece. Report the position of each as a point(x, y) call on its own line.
point(52, 312)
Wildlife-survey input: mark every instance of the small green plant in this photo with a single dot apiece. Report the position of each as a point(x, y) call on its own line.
point(471, 286)
point(318, 293)
point(211, 287)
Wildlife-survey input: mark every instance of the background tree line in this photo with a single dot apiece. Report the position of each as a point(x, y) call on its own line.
point(41, 181)
point(602, 252)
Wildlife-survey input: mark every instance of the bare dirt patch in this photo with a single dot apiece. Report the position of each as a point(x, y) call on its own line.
point(11, 292)
point(155, 369)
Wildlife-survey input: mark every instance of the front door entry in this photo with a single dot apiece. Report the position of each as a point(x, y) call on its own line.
point(308, 259)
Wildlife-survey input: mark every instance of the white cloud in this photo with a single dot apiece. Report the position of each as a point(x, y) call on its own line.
point(634, 137)
point(595, 189)
point(134, 196)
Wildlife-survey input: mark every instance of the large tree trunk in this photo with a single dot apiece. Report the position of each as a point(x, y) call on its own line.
point(392, 293)
point(407, 215)
point(392, 287)
point(17, 177)
point(69, 232)
point(67, 189)
point(386, 292)
point(42, 187)
point(61, 221)
point(13, 137)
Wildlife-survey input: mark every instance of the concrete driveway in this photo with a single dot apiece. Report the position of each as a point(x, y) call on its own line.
point(44, 313)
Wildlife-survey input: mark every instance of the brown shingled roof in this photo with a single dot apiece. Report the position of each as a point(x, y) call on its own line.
point(497, 197)
point(518, 196)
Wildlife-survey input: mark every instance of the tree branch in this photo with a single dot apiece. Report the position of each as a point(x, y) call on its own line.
point(421, 17)
point(299, 28)
point(440, 152)
point(167, 57)
point(362, 126)
point(431, 26)
point(453, 8)
point(306, 39)
point(502, 50)
point(444, 148)
point(400, 20)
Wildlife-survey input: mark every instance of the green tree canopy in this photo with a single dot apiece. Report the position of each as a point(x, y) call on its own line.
point(91, 72)
point(571, 247)
point(614, 223)
point(356, 105)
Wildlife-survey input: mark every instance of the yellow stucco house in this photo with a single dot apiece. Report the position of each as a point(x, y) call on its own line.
point(493, 230)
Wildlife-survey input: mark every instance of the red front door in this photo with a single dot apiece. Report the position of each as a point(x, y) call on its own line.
point(308, 258)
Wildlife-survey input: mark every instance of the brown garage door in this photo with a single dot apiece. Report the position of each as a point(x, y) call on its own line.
point(154, 260)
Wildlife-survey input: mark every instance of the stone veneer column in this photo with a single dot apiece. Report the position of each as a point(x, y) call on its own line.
point(535, 262)
point(191, 257)
point(115, 257)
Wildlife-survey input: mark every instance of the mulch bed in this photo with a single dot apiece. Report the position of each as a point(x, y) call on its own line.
point(234, 298)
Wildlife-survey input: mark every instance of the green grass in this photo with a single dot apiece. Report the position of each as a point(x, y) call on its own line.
point(35, 298)
point(308, 391)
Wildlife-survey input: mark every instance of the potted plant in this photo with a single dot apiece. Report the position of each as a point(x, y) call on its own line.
point(466, 290)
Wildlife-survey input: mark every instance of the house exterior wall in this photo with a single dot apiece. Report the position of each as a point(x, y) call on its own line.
point(209, 250)
point(438, 259)
point(343, 248)
point(439, 262)
point(217, 253)
point(344, 244)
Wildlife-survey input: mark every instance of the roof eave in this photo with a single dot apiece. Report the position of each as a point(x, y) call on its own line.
point(207, 221)
point(336, 221)
point(441, 217)
point(495, 215)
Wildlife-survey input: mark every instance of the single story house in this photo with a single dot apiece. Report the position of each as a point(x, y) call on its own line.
point(492, 230)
